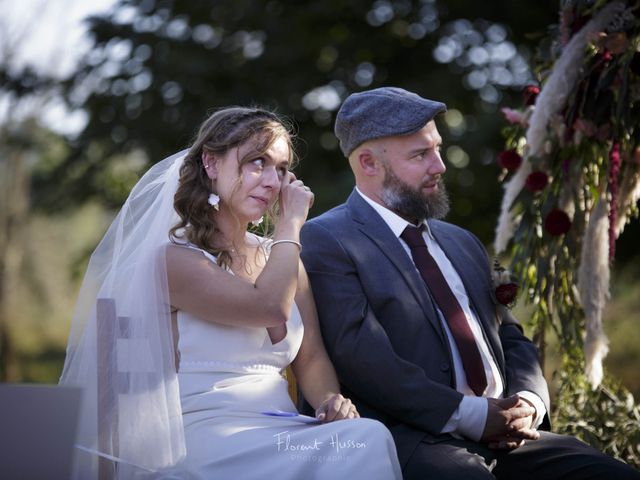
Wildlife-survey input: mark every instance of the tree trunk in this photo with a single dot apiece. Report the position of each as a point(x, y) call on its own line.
point(14, 191)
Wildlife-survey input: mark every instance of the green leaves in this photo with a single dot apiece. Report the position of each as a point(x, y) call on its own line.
point(607, 417)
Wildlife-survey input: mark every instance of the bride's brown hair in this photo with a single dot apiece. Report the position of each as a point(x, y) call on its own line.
point(224, 129)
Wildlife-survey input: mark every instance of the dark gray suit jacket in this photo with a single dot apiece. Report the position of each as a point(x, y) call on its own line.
point(381, 328)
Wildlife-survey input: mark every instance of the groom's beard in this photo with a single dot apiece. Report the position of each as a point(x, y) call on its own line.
point(411, 203)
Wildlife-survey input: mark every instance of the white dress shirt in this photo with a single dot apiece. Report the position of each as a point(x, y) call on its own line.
point(469, 419)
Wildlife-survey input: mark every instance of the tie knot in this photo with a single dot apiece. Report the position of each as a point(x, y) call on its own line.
point(413, 236)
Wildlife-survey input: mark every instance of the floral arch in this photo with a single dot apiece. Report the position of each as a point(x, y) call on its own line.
point(571, 173)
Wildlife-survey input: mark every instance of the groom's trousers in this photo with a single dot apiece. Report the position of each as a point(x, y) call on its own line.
point(550, 457)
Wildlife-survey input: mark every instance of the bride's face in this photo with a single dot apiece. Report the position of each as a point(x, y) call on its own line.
point(250, 190)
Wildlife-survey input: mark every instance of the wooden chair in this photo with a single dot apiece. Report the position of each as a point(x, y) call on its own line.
point(110, 328)
point(293, 386)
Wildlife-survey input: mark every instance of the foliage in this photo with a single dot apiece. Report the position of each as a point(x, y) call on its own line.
point(158, 66)
point(607, 417)
point(576, 187)
point(23, 93)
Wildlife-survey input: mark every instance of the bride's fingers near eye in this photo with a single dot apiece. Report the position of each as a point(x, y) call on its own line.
point(295, 184)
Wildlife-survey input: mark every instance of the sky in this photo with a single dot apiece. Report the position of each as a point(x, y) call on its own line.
point(48, 35)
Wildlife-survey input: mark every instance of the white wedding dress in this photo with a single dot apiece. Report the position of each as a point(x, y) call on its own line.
point(235, 401)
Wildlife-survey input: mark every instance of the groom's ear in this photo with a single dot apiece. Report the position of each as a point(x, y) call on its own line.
point(368, 162)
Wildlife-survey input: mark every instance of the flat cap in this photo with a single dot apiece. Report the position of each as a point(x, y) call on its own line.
point(382, 112)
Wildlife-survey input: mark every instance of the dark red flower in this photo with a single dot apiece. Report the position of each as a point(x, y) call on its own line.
point(506, 293)
point(536, 181)
point(557, 222)
point(530, 93)
point(509, 160)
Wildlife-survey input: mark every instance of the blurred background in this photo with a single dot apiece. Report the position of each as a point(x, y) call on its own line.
point(91, 96)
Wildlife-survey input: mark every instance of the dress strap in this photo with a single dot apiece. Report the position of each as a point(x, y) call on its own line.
point(210, 256)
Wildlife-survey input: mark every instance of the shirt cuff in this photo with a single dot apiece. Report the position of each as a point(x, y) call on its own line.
point(469, 418)
point(538, 404)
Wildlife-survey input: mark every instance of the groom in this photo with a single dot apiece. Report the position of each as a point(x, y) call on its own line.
point(408, 319)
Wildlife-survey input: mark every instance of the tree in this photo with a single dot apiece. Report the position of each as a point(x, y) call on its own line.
point(24, 146)
point(158, 66)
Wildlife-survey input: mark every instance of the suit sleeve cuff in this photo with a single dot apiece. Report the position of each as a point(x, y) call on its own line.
point(469, 418)
point(537, 403)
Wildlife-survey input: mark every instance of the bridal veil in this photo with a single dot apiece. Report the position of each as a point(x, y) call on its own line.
point(128, 266)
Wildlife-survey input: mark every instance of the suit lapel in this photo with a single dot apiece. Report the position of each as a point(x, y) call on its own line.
point(373, 227)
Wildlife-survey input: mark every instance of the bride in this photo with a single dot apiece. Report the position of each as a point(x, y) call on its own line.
point(216, 314)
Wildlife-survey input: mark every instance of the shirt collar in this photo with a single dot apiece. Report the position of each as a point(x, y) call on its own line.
point(396, 223)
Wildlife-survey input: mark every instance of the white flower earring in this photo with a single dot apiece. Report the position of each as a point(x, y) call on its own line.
point(214, 201)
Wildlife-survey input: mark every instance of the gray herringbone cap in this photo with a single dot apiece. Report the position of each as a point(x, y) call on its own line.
point(382, 112)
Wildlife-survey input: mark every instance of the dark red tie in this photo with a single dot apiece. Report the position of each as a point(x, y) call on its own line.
point(450, 308)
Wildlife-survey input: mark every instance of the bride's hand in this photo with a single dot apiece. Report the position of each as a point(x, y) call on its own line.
point(336, 407)
point(295, 198)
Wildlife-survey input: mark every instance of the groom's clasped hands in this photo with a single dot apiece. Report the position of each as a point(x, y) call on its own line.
point(509, 422)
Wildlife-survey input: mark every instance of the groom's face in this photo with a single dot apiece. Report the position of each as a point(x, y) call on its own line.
point(412, 185)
